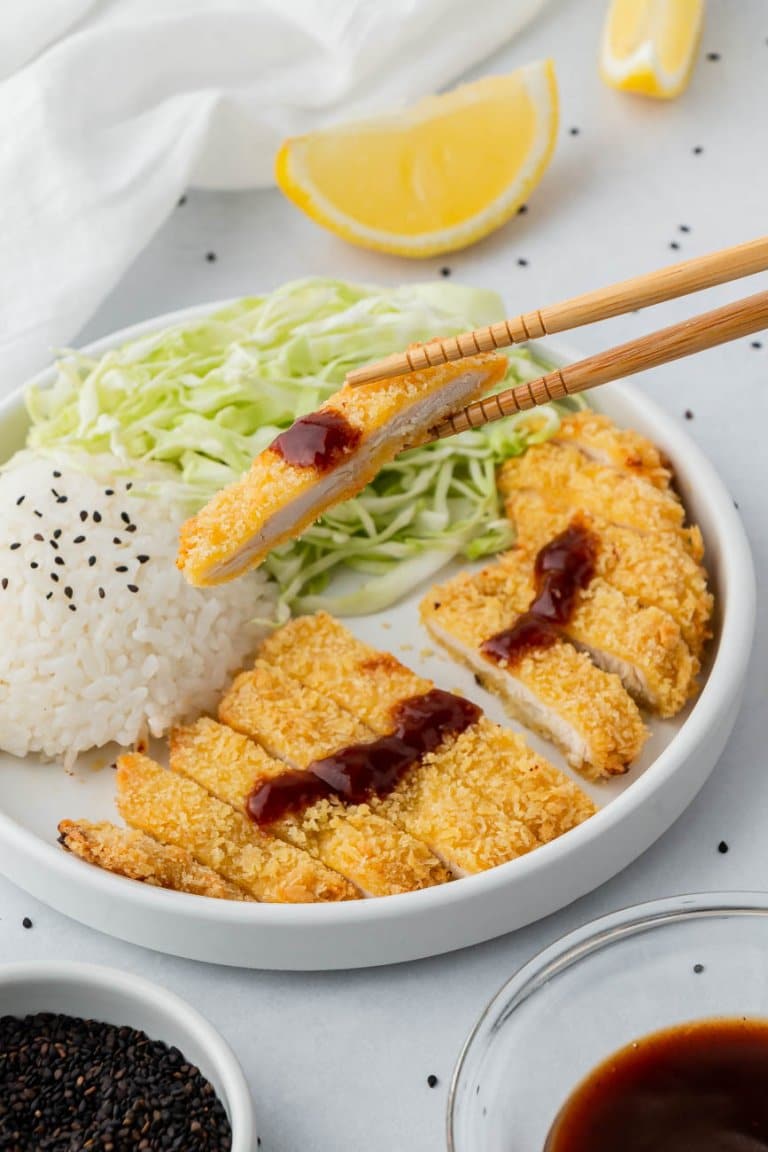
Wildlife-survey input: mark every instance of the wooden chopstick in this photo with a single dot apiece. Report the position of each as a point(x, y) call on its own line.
point(639, 292)
point(694, 335)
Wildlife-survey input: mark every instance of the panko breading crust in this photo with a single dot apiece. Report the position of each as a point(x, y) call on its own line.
point(599, 438)
point(130, 853)
point(371, 852)
point(180, 812)
point(656, 568)
point(235, 530)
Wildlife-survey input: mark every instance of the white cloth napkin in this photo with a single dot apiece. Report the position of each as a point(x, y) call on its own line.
point(108, 110)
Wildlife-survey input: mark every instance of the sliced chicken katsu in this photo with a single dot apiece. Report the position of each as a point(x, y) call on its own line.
point(425, 795)
point(554, 689)
point(374, 854)
point(565, 478)
point(324, 458)
point(643, 646)
point(179, 812)
point(599, 439)
point(130, 853)
point(493, 762)
point(656, 568)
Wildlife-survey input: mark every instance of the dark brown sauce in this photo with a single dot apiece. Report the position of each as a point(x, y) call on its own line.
point(563, 568)
point(360, 771)
point(318, 440)
point(701, 1087)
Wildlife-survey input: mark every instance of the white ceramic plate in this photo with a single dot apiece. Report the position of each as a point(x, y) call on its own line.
point(635, 810)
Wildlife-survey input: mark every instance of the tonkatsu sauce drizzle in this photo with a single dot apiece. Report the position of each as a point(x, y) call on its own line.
point(318, 440)
point(563, 568)
point(360, 771)
point(698, 1086)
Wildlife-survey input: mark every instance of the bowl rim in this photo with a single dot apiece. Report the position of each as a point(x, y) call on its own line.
point(86, 976)
point(728, 667)
point(580, 943)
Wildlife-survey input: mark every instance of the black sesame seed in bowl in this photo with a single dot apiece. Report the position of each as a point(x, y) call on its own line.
point(91, 1057)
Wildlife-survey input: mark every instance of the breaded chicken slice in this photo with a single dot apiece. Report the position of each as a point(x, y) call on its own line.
point(565, 478)
point(655, 568)
point(643, 646)
point(375, 855)
point(181, 813)
point(599, 439)
point(431, 801)
point(496, 764)
point(557, 691)
point(130, 853)
point(322, 459)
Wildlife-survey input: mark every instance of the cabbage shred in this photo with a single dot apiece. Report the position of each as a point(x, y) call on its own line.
point(208, 395)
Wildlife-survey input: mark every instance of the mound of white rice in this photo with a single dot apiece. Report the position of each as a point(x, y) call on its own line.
point(102, 637)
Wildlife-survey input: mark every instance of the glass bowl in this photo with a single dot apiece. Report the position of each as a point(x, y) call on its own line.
point(594, 991)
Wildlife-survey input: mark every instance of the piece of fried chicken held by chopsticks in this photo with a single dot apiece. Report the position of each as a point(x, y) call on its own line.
point(181, 813)
point(130, 853)
point(322, 459)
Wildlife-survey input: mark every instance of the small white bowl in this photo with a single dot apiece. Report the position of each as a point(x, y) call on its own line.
point(94, 992)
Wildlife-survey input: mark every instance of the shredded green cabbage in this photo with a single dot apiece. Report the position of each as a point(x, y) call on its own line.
point(208, 395)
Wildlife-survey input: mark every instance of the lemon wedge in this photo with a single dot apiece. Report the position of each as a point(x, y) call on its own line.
point(434, 177)
point(649, 46)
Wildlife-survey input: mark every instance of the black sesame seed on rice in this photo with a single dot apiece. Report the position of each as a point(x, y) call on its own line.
point(38, 536)
point(15, 545)
point(57, 534)
point(55, 577)
point(79, 540)
point(133, 587)
point(59, 560)
point(129, 485)
point(62, 499)
point(91, 561)
point(34, 564)
point(109, 491)
point(83, 515)
point(4, 583)
point(48, 595)
point(121, 568)
point(142, 559)
point(72, 607)
point(116, 540)
point(20, 501)
point(97, 517)
point(68, 593)
point(54, 545)
point(131, 528)
point(125, 518)
point(102, 593)
point(38, 514)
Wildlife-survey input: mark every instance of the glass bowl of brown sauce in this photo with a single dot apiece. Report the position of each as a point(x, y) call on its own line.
point(646, 1029)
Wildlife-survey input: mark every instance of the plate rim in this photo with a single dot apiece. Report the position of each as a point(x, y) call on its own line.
point(728, 668)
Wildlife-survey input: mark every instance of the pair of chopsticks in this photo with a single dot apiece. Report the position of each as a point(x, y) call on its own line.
point(694, 335)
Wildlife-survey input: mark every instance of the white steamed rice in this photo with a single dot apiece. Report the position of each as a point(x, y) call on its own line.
point(78, 668)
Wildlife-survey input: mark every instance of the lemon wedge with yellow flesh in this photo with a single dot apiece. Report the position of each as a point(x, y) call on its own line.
point(434, 177)
point(649, 46)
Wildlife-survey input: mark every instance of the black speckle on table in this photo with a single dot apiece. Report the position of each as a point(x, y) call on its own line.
point(522, 262)
point(26, 922)
point(683, 228)
point(445, 271)
point(675, 244)
point(756, 344)
point(210, 257)
point(432, 1080)
point(182, 201)
point(574, 131)
point(688, 414)
point(522, 210)
point(713, 56)
point(697, 151)
point(722, 847)
point(698, 969)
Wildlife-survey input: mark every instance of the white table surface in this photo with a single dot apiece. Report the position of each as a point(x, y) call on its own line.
point(339, 1062)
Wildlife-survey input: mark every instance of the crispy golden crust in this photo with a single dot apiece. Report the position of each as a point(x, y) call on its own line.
point(179, 812)
point(299, 725)
point(371, 852)
point(325, 656)
point(557, 691)
point(139, 857)
point(234, 531)
point(655, 568)
point(599, 438)
point(565, 478)
point(642, 645)
point(487, 771)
